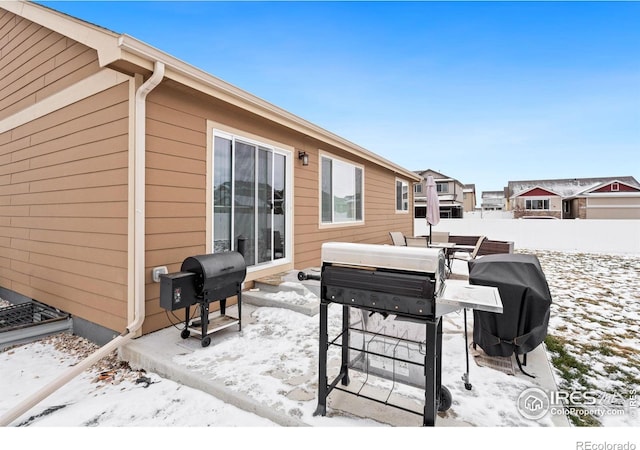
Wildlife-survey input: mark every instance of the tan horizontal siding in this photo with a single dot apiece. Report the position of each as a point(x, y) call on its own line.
point(379, 209)
point(176, 195)
point(65, 193)
point(176, 186)
point(36, 63)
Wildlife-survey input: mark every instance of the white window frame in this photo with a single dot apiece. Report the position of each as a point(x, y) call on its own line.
point(405, 194)
point(333, 223)
point(537, 200)
point(216, 129)
point(615, 187)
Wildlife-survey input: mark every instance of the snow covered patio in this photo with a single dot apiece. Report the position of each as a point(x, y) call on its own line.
point(270, 368)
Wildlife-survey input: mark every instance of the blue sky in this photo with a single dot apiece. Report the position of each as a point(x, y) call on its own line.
point(484, 92)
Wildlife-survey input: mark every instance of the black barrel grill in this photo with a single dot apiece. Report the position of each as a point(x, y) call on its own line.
point(202, 280)
point(399, 281)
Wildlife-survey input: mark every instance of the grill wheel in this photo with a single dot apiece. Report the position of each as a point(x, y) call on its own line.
point(445, 399)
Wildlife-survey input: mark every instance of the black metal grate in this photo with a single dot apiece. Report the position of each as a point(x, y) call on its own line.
point(27, 314)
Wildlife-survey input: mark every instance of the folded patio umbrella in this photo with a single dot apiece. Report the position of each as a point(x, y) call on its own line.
point(433, 204)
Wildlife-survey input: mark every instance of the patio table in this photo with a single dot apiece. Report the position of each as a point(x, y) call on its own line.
point(448, 248)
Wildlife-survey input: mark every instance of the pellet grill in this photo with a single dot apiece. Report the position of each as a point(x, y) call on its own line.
point(392, 302)
point(202, 280)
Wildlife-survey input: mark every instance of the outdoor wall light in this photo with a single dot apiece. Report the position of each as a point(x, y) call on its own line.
point(304, 157)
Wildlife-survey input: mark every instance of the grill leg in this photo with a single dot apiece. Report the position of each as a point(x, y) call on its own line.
point(204, 319)
point(345, 346)
point(322, 362)
point(432, 365)
point(239, 310)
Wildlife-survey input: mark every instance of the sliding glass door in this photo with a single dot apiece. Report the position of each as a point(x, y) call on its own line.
point(250, 187)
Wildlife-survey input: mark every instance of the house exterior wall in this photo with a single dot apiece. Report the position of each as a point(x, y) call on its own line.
point(582, 208)
point(469, 202)
point(555, 206)
point(616, 187)
point(176, 224)
point(36, 62)
point(63, 174)
point(66, 177)
point(63, 213)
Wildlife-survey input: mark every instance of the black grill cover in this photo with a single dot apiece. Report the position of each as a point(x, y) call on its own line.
point(526, 302)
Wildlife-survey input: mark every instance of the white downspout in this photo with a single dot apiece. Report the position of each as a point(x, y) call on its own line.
point(139, 266)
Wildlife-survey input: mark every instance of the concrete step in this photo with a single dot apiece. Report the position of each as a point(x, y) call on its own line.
point(283, 291)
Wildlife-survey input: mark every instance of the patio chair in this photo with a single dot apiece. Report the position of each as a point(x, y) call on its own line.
point(439, 236)
point(416, 241)
point(466, 256)
point(397, 238)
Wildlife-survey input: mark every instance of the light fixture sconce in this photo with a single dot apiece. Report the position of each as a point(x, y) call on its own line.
point(304, 157)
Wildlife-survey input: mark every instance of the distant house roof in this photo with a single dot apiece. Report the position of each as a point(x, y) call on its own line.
point(437, 176)
point(492, 194)
point(570, 187)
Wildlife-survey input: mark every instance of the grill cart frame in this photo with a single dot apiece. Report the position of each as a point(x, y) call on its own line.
point(405, 285)
point(205, 279)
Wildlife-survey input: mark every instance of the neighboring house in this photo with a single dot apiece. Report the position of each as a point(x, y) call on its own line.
point(469, 198)
point(493, 201)
point(576, 198)
point(117, 158)
point(450, 193)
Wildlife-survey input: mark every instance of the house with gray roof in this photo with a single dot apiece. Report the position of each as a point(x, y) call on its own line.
point(575, 198)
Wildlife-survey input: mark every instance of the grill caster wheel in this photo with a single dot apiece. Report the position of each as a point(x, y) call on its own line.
point(185, 334)
point(445, 399)
point(205, 341)
point(468, 386)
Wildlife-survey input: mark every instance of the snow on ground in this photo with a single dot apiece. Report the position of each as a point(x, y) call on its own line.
point(594, 326)
point(594, 329)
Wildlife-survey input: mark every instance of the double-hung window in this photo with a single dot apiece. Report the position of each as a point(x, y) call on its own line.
point(342, 186)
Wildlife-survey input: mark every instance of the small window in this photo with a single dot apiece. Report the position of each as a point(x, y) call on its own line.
point(615, 187)
point(402, 196)
point(442, 188)
point(342, 192)
point(420, 212)
point(417, 188)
